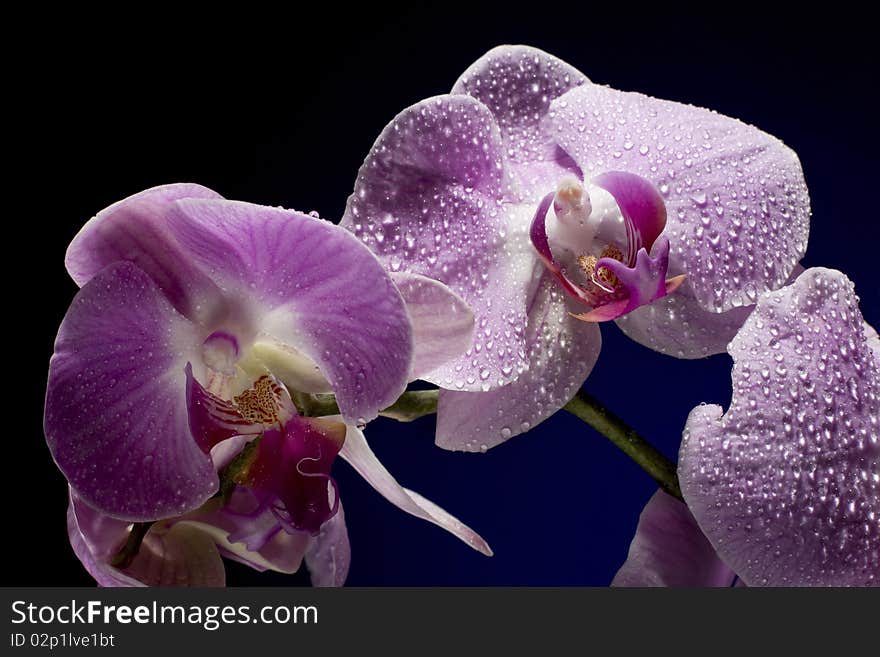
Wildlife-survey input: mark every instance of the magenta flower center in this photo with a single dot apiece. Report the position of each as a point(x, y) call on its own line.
point(573, 232)
point(288, 470)
point(599, 249)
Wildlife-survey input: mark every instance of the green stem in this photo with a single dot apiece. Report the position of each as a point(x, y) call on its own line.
point(417, 403)
point(128, 552)
point(409, 406)
point(590, 410)
point(239, 465)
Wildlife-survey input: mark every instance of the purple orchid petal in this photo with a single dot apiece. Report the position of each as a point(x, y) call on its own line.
point(170, 554)
point(517, 84)
point(95, 539)
point(443, 324)
point(283, 552)
point(314, 287)
point(737, 202)
point(677, 325)
point(115, 415)
point(786, 484)
point(134, 230)
point(670, 550)
point(642, 283)
point(562, 353)
point(428, 201)
point(249, 533)
point(254, 519)
point(180, 556)
point(103, 573)
point(102, 535)
point(329, 555)
point(873, 339)
point(357, 452)
point(293, 467)
point(224, 452)
point(641, 205)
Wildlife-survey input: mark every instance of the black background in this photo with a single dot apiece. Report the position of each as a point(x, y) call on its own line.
point(280, 108)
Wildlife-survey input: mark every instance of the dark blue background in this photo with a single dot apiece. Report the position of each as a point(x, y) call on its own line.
point(281, 109)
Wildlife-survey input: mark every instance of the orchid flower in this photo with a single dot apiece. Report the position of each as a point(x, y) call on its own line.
point(784, 488)
point(196, 319)
point(549, 203)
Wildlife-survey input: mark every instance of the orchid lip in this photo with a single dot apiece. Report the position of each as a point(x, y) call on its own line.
point(616, 282)
point(290, 467)
point(291, 472)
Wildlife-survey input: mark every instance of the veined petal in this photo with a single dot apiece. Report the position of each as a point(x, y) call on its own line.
point(329, 555)
point(670, 550)
point(517, 84)
point(314, 287)
point(357, 452)
point(115, 416)
point(736, 197)
point(562, 353)
point(134, 230)
point(786, 484)
point(443, 324)
point(428, 201)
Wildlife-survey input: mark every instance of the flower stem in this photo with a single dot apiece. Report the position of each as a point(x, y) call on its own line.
point(410, 406)
point(416, 403)
point(129, 551)
point(590, 410)
point(236, 468)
